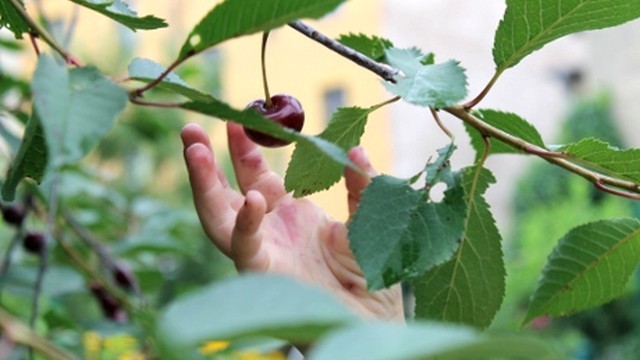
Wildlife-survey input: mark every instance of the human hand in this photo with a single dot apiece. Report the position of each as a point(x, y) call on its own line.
point(262, 228)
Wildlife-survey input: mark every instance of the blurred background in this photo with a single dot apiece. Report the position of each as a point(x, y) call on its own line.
point(133, 195)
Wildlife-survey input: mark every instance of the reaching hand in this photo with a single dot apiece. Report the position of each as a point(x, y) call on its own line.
point(264, 229)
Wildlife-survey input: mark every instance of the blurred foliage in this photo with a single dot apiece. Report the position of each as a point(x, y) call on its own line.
point(547, 204)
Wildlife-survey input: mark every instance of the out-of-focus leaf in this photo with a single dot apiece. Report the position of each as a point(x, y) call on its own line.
point(10, 18)
point(77, 108)
point(254, 305)
point(30, 160)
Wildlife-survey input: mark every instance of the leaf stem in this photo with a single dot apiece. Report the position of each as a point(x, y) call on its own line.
point(601, 181)
point(471, 104)
point(42, 33)
point(386, 72)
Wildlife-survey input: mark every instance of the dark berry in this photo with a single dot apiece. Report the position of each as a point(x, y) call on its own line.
point(34, 242)
point(13, 214)
point(108, 303)
point(123, 276)
point(285, 110)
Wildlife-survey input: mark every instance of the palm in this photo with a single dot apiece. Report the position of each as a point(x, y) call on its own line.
point(267, 230)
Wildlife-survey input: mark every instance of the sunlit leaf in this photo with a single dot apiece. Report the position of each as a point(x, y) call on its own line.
point(311, 170)
point(469, 288)
point(119, 11)
point(510, 123)
point(233, 18)
point(371, 46)
point(597, 154)
point(423, 83)
point(529, 25)
point(397, 234)
point(590, 266)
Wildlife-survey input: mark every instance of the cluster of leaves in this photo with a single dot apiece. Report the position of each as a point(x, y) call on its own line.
point(450, 251)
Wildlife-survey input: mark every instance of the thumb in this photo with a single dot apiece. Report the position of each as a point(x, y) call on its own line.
point(356, 181)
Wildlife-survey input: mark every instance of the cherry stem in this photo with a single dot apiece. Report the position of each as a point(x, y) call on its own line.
point(265, 83)
point(444, 129)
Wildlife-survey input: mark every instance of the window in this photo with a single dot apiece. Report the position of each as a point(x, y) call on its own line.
point(333, 99)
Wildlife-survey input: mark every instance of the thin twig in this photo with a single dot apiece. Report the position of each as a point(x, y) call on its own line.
point(469, 105)
point(6, 261)
point(603, 182)
point(138, 92)
point(18, 333)
point(34, 43)
point(384, 71)
point(42, 33)
point(444, 129)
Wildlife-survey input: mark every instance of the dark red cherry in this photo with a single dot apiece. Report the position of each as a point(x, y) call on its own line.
point(34, 242)
point(285, 110)
point(13, 214)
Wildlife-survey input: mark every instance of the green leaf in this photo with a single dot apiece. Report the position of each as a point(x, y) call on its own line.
point(119, 11)
point(606, 159)
point(509, 123)
point(589, 267)
point(234, 18)
point(31, 158)
point(11, 20)
point(529, 25)
point(396, 234)
point(77, 108)
point(147, 71)
point(470, 287)
point(426, 84)
point(386, 341)
point(253, 120)
point(254, 305)
point(371, 46)
point(440, 169)
point(311, 170)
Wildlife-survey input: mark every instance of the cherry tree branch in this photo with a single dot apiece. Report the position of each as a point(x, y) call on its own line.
point(40, 32)
point(603, 182)
point(386, 72)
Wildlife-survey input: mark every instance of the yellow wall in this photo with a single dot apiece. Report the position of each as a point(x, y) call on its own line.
point(296, 65)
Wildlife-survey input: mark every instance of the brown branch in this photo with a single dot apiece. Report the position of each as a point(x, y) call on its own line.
point(604, 182)
point(384, 71)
